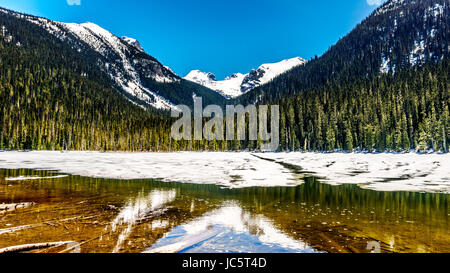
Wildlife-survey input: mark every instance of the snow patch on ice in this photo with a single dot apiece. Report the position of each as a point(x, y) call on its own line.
point(230, 170)
point(382, 172)
point(22, 178)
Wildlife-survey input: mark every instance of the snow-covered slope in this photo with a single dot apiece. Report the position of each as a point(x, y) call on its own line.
point(123, 59)
point(238, 84)
point(133, 42)
point(425, 27)
point(230, 87)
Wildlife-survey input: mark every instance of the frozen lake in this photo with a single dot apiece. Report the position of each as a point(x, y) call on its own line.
point(381, 172)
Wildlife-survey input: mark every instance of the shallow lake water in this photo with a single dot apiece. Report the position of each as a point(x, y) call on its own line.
point(104, 215)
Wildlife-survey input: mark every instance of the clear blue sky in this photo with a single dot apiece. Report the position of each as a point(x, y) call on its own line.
point(219, 36)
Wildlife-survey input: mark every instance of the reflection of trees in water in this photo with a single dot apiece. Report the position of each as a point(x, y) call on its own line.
point(344, 217)
point(347, 217)
point(398, 218)
point(348, 196)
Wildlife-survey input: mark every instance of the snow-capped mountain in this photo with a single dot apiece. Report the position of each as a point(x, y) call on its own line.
point(425, 37)
point(133, 42)
point(230, 87)
point(143, 78)
point(126, 62)
point(239, 84)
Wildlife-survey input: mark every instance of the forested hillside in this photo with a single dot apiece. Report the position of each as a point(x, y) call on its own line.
point(398, 112)
point(53, 97)
point(384, 86)
point(399, 35)
point(139, 76)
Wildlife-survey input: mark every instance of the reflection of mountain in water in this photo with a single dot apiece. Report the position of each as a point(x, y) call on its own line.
point(137, 209)
point(229, 229)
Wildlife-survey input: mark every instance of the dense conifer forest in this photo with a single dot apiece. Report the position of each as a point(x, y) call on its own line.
point(384, 86)
point(408, 110)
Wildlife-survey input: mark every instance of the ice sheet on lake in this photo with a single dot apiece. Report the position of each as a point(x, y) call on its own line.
point(232, 170)
point(21, 178)
point(383, 172)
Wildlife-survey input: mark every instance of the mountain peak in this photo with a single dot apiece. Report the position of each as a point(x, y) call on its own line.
point(96, 29)
point(130, 71)
point(238, 84)
point(133, 42)
point(197, 75)
point(234, 76)
point(272, 70)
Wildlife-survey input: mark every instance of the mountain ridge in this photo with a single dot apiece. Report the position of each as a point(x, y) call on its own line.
point(400, 34)
point(382, 87)
point(238, 84)
point(142, 77)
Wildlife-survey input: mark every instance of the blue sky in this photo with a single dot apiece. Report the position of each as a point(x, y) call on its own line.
point(219, 36)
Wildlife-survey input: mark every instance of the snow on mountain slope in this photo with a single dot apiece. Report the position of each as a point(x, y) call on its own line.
point(424, 38)
point(133, 42)
point(267, 72)
point(123, 69)
point(122, 59)
point(239, 84)
point(230, 87)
